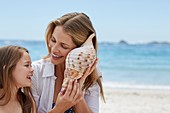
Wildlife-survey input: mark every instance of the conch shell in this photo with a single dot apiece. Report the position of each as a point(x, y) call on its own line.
point(79, 59)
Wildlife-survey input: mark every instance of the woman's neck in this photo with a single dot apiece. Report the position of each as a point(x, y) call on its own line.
point(59, 70)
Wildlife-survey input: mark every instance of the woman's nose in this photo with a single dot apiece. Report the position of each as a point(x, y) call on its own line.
point(55, 48)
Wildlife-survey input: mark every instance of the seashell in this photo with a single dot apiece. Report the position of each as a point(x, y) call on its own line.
point(79, 59)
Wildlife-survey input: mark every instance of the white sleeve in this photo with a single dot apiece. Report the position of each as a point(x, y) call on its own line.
point(92, 98)
point(34, 87)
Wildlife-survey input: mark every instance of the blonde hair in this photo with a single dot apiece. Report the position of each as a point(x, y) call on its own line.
point(79, 27)
point(9, 57)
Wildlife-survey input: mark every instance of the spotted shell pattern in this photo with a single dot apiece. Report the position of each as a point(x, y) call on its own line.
point(79, 59)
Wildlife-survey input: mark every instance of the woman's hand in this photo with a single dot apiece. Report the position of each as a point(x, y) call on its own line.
point(69, 98)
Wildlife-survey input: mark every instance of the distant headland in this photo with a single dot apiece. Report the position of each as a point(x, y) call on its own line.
point(123, 42)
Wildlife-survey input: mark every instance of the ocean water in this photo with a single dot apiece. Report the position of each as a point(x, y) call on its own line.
point(122, 65)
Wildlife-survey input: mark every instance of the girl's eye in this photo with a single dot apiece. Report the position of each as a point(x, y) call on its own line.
point(27, 65)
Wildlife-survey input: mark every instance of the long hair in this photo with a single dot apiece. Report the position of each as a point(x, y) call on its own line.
point(9, 57)
point(79, 27)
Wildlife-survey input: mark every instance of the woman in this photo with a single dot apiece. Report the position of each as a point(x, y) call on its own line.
point(15, 80)
point(63, 35)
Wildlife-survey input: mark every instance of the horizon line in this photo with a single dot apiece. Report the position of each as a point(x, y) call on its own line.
point(120, 41)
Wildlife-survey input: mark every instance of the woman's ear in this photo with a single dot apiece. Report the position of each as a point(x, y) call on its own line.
point(49, 45)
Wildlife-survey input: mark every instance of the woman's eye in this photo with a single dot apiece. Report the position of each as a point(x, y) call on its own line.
point(64, 47)
point(53, 40)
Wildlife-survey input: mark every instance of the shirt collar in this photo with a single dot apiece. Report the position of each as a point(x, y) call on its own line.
point(48, 69)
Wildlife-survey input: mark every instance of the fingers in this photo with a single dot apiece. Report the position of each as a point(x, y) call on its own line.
point(72, 95)
point(64, 86)
point(75, 91)
point(69, 88)
point(66, 73)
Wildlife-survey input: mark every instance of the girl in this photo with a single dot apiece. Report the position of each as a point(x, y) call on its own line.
point(15, 80)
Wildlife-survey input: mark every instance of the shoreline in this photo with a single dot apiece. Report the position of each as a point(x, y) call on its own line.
point(115, 85)
point(122, 100)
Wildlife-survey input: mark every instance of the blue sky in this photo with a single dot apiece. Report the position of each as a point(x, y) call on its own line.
point(135, 21)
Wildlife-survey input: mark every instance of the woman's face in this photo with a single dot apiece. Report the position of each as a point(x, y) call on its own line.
point(61, 44)
point(23, 71)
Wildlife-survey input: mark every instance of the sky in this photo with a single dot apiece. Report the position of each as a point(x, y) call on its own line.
point(135, 21)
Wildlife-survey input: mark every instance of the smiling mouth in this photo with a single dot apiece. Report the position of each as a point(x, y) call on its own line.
point(29, 77)
point(56, 56)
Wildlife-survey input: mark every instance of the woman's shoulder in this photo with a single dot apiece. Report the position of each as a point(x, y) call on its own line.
point(93, 89)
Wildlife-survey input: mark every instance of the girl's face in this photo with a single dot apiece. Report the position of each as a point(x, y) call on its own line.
point(23, 71)
point(61, 44)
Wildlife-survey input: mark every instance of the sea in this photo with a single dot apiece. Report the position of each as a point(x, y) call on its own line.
point(123, 65)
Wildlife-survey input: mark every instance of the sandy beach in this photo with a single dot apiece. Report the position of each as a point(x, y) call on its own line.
point(135, 101)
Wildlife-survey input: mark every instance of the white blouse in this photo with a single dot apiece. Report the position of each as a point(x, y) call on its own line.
point(43, 82)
